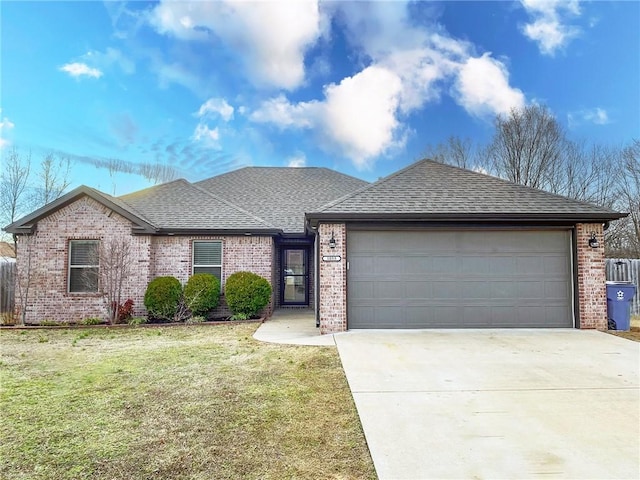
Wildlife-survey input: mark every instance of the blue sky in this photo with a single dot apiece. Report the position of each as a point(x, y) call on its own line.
point(207, 87)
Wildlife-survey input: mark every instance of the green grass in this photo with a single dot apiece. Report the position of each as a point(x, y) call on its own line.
point(194, 402)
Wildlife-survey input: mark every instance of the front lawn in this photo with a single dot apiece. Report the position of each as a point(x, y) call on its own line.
point(196, 402)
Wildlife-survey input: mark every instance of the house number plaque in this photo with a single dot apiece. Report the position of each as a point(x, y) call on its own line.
point(331, 258)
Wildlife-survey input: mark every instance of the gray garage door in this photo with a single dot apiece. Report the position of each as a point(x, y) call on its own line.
point(459, 279)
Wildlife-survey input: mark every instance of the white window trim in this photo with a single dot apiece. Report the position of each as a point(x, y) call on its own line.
point(193, 254)
point(78, 267)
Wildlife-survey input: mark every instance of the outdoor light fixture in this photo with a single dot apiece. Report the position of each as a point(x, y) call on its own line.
point(332, 241)
point(593, 241)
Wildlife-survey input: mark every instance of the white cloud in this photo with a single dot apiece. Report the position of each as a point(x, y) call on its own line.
point(284, 114)
point(5, 124)
point(270, 38)
point(357, 116)
point(482, 87)
point(360, 113)
point(597, 116)
point(550, 28)
point(297, 161)
point(216, 106)
point(209, 136)
point(405, 67)
point(109, 58)
point(78, 69)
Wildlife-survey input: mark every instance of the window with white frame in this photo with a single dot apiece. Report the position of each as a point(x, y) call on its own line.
point(84, 266)
point(207, 257)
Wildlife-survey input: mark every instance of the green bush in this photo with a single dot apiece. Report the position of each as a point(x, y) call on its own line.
point(247, 293)
point(202, 293)
point(135, 321)
point(92, 321)
point(163, 297)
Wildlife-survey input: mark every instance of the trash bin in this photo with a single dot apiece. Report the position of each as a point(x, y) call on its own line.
point(619, 295)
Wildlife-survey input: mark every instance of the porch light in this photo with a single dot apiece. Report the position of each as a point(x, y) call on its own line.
point(593, 241)
point(332, 241)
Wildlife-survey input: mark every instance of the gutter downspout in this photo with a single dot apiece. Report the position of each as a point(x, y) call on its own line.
point(316, 284)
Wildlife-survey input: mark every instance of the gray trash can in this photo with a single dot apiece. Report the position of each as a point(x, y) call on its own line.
point(619, 295)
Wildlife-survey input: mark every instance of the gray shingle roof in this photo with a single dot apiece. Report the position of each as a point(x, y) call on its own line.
point(27, 223)
point(432, 190)
point(282, 195)
point(180, 205)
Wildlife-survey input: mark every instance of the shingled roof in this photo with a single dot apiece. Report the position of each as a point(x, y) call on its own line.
point(282, 195)
point(180, 206)
point(27, 223)
point(427, 190)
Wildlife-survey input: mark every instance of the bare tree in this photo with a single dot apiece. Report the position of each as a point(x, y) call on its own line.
point(14, 182)
point(457, 152)
point(115, 269)
point(25, 273)
point(53, 179)
point(585, 173)
point(528, 146)
point(629, 189)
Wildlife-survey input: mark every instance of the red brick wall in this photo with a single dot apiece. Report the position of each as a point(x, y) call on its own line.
point(591, 278)
point(152, 257)
point(172, 255)
point(48, 299)
point(333, 279)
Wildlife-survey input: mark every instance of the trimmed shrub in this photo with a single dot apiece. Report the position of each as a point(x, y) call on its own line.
point(202, 293)
point(163, 297)
point(247, 293)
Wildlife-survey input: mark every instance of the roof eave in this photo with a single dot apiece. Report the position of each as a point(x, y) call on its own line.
point(314, 218)
point(219, 231)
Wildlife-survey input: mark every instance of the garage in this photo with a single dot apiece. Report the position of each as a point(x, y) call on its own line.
point(459, 278)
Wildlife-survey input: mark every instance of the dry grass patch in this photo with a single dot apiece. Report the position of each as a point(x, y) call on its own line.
point(182, 403)
point(634, 333)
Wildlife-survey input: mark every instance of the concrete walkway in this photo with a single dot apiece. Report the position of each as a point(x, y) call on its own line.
point(292, 327)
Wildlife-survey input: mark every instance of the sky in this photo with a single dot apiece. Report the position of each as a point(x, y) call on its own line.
point(361, 87)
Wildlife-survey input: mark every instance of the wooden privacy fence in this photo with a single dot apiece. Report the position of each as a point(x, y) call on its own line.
point(7, 286)
point(625, 270)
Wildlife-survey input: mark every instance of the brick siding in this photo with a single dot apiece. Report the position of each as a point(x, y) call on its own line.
point(592, 295)
point(333, 279)
point(152, 257)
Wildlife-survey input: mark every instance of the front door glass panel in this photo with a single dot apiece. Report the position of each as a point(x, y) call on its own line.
point(295, 276)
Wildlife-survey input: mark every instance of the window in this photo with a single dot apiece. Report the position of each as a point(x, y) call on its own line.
point(207, 258)
point(83, 266)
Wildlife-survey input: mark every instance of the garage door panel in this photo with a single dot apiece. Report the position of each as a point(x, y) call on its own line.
point(442, 263)
point(503, 289)
point(529, 265)
point(556, 290)
point(459, 279)
point(477, 289)
point(419, 289)
point(390, 289)
point(445, 290)
point(554, 265)
point(531, 290)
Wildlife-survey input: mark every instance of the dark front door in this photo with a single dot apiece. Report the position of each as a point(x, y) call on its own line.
point(295, 276)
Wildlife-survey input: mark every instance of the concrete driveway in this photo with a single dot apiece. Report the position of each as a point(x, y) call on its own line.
point(496, 403)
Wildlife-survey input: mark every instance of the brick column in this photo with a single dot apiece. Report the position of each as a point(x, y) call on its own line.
point(333, 279)
point(592, 297)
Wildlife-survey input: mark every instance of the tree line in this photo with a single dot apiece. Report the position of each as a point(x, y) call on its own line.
point(25, 187)
point(530, 147)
